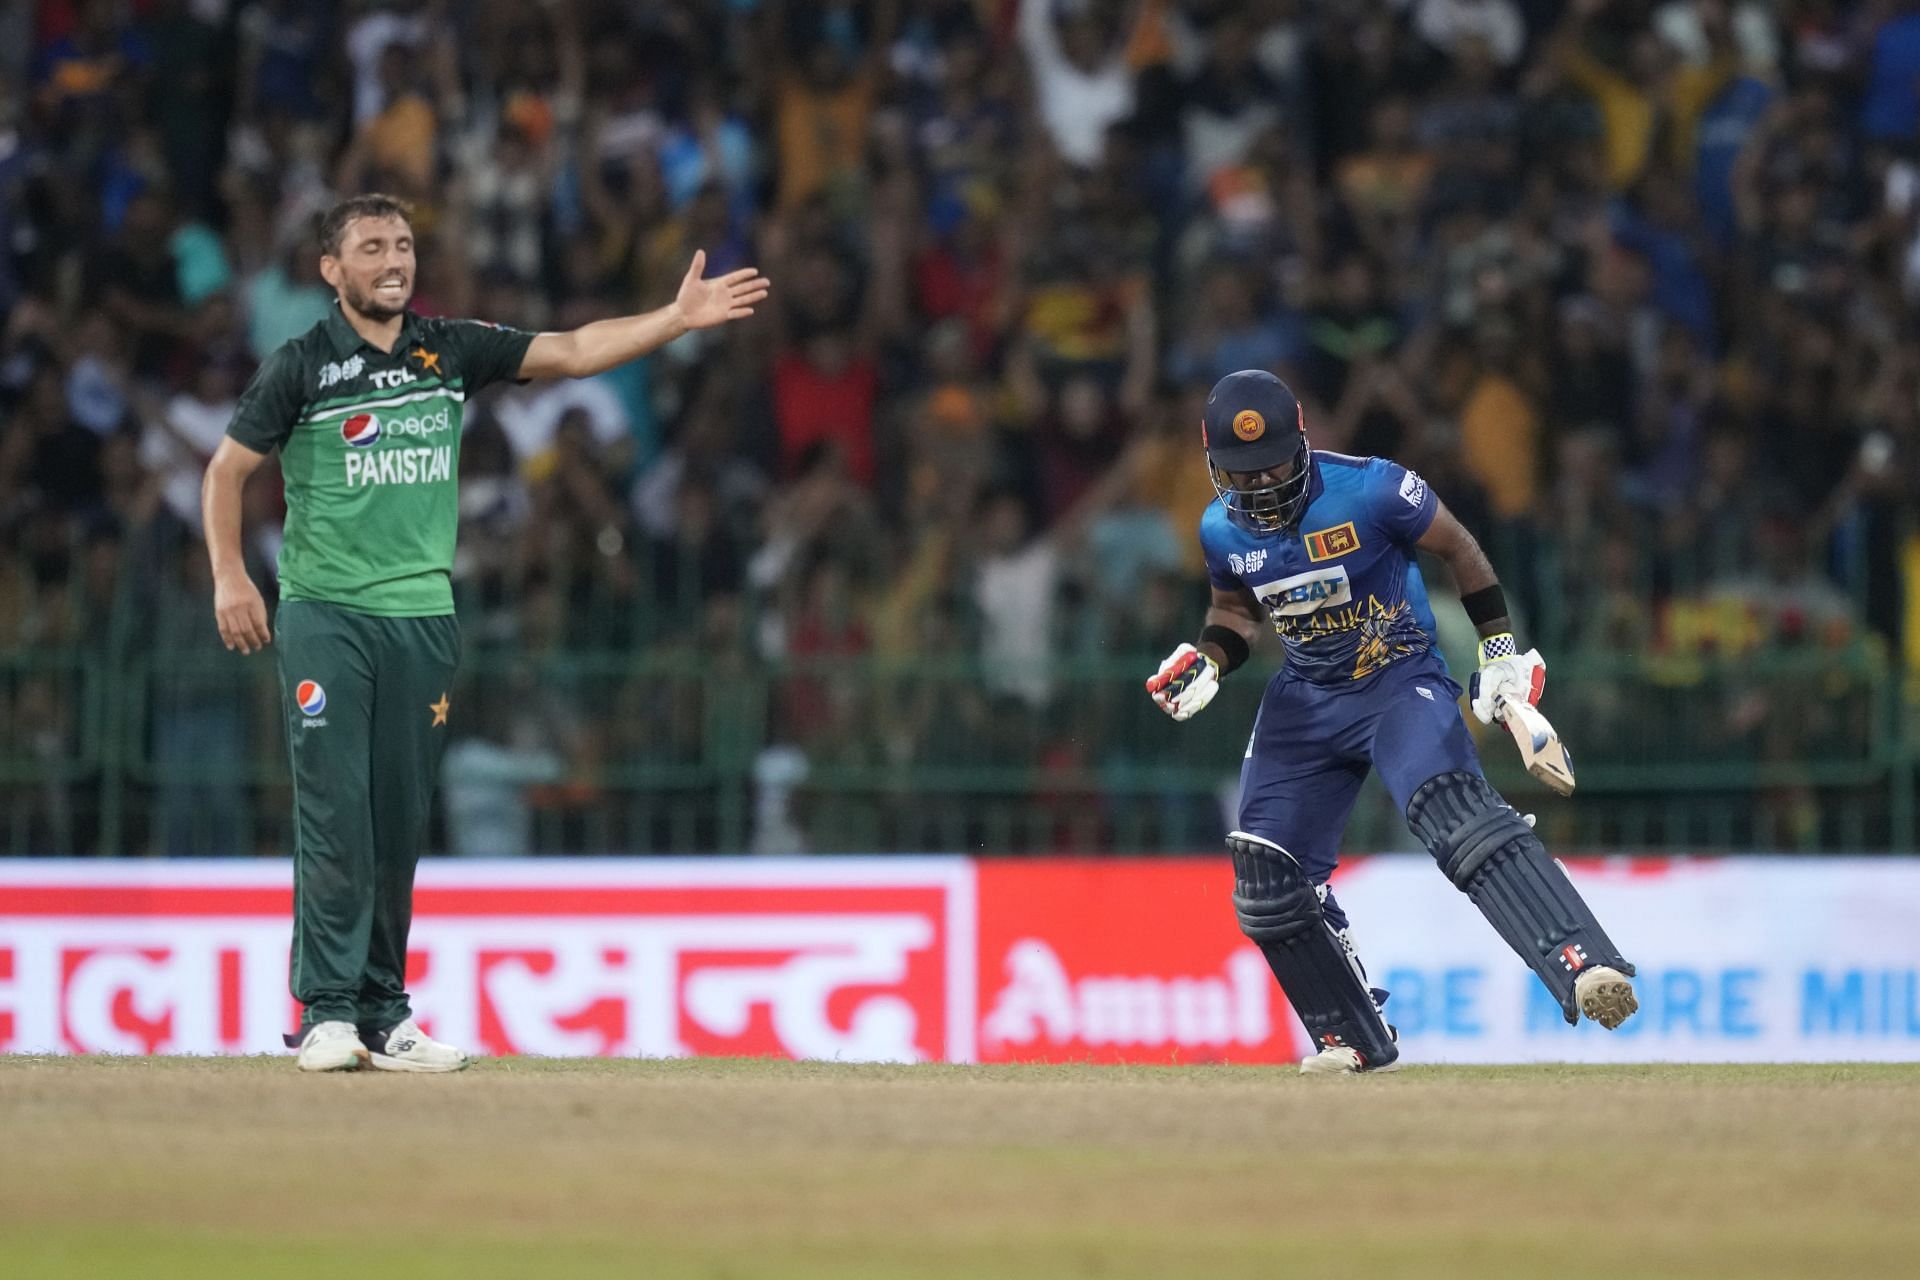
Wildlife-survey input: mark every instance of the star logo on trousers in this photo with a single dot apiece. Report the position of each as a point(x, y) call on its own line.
point(439, 710)
point(429, 360)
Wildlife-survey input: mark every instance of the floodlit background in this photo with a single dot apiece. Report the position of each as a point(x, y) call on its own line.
point(1632, 283)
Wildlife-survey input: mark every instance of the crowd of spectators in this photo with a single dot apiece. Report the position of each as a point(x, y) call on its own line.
point(1632, 282)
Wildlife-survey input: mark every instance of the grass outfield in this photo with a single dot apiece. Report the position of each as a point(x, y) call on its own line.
point(216, 1168)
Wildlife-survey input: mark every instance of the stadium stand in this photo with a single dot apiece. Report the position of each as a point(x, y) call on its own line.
point(1632, 283)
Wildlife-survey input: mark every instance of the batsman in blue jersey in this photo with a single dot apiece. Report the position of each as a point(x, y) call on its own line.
point(1322, 546)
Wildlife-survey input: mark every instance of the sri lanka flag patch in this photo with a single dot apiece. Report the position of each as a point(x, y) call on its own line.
point(1325, 544)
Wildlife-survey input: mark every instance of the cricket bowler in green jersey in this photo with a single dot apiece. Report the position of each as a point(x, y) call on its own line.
point(366, 410)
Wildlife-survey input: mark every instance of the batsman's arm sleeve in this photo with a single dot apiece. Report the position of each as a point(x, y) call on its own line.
point(1220, 572)
point(1400, 502)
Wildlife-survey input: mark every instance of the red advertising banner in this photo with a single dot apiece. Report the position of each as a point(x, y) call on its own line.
point(1123, 961)
point(849, 960)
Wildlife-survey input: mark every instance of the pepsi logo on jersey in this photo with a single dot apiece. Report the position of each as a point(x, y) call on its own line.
point(311, 698)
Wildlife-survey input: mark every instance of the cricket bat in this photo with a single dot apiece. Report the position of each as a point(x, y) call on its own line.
point(1540, 747)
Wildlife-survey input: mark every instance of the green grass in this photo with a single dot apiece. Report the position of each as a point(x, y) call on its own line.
point(523, 1167)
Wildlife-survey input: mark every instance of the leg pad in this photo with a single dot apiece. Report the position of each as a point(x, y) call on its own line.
point(1492, 855)
point(1280, 912)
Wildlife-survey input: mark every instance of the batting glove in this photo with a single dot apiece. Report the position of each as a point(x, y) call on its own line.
point(1185, 682)
point(1503, 675)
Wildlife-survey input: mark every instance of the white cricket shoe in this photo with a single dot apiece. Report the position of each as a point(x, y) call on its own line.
point(1339, 1059)
point(405, 1047)
point(1605, 995)
point(332, 1046)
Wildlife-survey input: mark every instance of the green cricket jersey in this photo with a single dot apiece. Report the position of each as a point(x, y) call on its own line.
point(370, 449)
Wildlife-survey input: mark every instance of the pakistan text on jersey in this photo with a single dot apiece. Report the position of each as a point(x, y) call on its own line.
point(400, 466)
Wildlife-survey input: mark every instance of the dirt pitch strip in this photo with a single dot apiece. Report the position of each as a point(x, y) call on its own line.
point(214, 1168)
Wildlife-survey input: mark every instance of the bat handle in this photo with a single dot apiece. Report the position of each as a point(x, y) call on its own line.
point(1525, 712)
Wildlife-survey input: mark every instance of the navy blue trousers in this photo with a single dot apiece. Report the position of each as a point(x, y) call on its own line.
point(1313, 744)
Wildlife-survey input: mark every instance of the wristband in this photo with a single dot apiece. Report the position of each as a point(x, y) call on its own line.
point(1494, 648)
point(1484, 605)
point(1232, 644)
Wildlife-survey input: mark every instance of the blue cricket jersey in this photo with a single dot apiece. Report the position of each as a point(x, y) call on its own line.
point(1342, 589)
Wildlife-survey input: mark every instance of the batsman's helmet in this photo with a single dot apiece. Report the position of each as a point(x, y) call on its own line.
point(1257, 453)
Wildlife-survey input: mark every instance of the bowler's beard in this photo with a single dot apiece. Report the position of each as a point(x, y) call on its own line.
point(366, 304)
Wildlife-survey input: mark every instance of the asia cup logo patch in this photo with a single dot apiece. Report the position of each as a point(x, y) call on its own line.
point(361, 430)
point(310, 697)
point(1249, 425)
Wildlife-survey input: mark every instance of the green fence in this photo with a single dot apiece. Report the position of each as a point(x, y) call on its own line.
point(181, 752)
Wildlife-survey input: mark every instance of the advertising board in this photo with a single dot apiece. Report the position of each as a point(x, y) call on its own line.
point(911, 959)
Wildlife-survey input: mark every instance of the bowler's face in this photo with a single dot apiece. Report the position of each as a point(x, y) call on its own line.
point(373, 273)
